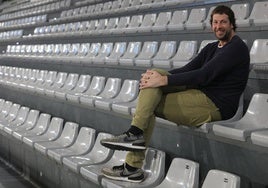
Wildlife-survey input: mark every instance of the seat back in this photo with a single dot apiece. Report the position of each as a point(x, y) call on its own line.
point(22, 115)
point(31, 120)
point(55, 128)
point(112, 88)
point(118, 50)
point(70, 82)
point(105, 50)
point(258, 51)
point(204, 43)
point(135, 21)
point(123, 22)
point(129, 91)
point(42, 124)
point(149, 49)
point(83, 49)
point(148, 20)
point(186, 51)
point(133, 49)
point(96, 86)
point(60, 80)
point(241, 11)
point(221, 179)
point(94, 50)
point(69, 134)
point(13, 112)
point(85, 140)
point(259, 12)
point(102, 24)
point(163, 19)
point(82, 84)
point(166, 50)
point(112, 23)
point(182, 173)
point(50, 78)
point(196, 17)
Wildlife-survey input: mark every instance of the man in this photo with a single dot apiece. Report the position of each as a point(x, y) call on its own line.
point(206, 89)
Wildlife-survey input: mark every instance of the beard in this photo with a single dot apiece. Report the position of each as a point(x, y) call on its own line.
point(226, 37)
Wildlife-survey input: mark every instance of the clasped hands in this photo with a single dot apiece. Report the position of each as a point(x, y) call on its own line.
point(152, 79)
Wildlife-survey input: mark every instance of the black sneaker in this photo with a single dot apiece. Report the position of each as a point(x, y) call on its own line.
point(126, 141)
point(121, 173)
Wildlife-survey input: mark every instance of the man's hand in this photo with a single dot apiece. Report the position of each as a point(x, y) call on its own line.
point(151, 79)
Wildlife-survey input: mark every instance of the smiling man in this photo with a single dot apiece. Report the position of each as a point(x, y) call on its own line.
point(206, 89)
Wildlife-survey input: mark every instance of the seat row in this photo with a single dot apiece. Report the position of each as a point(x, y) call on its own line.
point(196, 18)
point(167, 54)
point(11, 34)
point(77, 149)
point(117, 6)
point(40, 7)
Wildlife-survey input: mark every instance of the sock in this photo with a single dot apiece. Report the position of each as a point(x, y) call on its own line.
point(135, 130)
point(130, 168)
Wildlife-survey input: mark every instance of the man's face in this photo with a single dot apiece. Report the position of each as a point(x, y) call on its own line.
point(222, 27)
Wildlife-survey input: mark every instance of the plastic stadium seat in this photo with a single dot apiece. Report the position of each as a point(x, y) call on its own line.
point(146, 4)
point(66, 139)
point(186, 51)
point(101, 26)
point(39, 129)
point(162, 21)
point(20, 119)
point(165, 52)
point(98, 154)
point(93, 172)
point(124, 5)
point(69, 85)
point(118, 50)
point(111, 89)
point(175, 2)
point(29, 123)
point(93, 51)
point(112, 24)
point(153, 167)
point(132, 51)
point(128, 92)
point(196, 19)
point(258, 51)
point(148, 51)
point(104, 52)
point(260, 138)
point(182, 173)
point(81, 86)
point(178, 20)
point(95, 88)
point(11, 116)
point(255, 119)
point(134, 23)
point(241, 12)
point(53, 132)
point(83, 144)
point(147, 23)
point(59, 83)
point(207, 24)
point(221, 179)
point(40, 79)
point(49, 80)
point(122, 24)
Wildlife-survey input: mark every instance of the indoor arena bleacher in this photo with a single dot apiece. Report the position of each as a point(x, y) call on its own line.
point(69, 77)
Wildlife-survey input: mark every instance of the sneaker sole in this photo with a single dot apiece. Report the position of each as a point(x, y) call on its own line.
point(123, 147)
point(126, 179)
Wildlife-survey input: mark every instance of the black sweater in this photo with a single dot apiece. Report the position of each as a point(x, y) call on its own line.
point(221, 73)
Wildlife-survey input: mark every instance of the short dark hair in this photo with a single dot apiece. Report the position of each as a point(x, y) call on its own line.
point(222, 9)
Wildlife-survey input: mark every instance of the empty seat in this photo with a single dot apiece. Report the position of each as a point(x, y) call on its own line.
point(53, 132)
point(207, 24)
point(58, 83)
point(166, 51)
point(11, 115)
point(29, 123)
point(112, 23)
point(81, 86)
point(221, 179)
point(118, 50)
point(124, 107)
point(186, 51)
point(98, 154)
point(20, 119)
point(93, 51)
point(66, 139)
point(178, 20)
point(111, 89)
point(258, 51)
point(162, 21)
point(154, 165)
point(241, 12)
point(196, 19)
point(254, 119)
point(122, 23)
point(83, 144)
point(104, 52)
point(128, 92)
point(132, 51)
point(95, 88)
point(134, 23)
point(39, 129)
point(69, 85)
point(147, 23)
point(149, 49)
point(49, 80)
point(182, 173)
